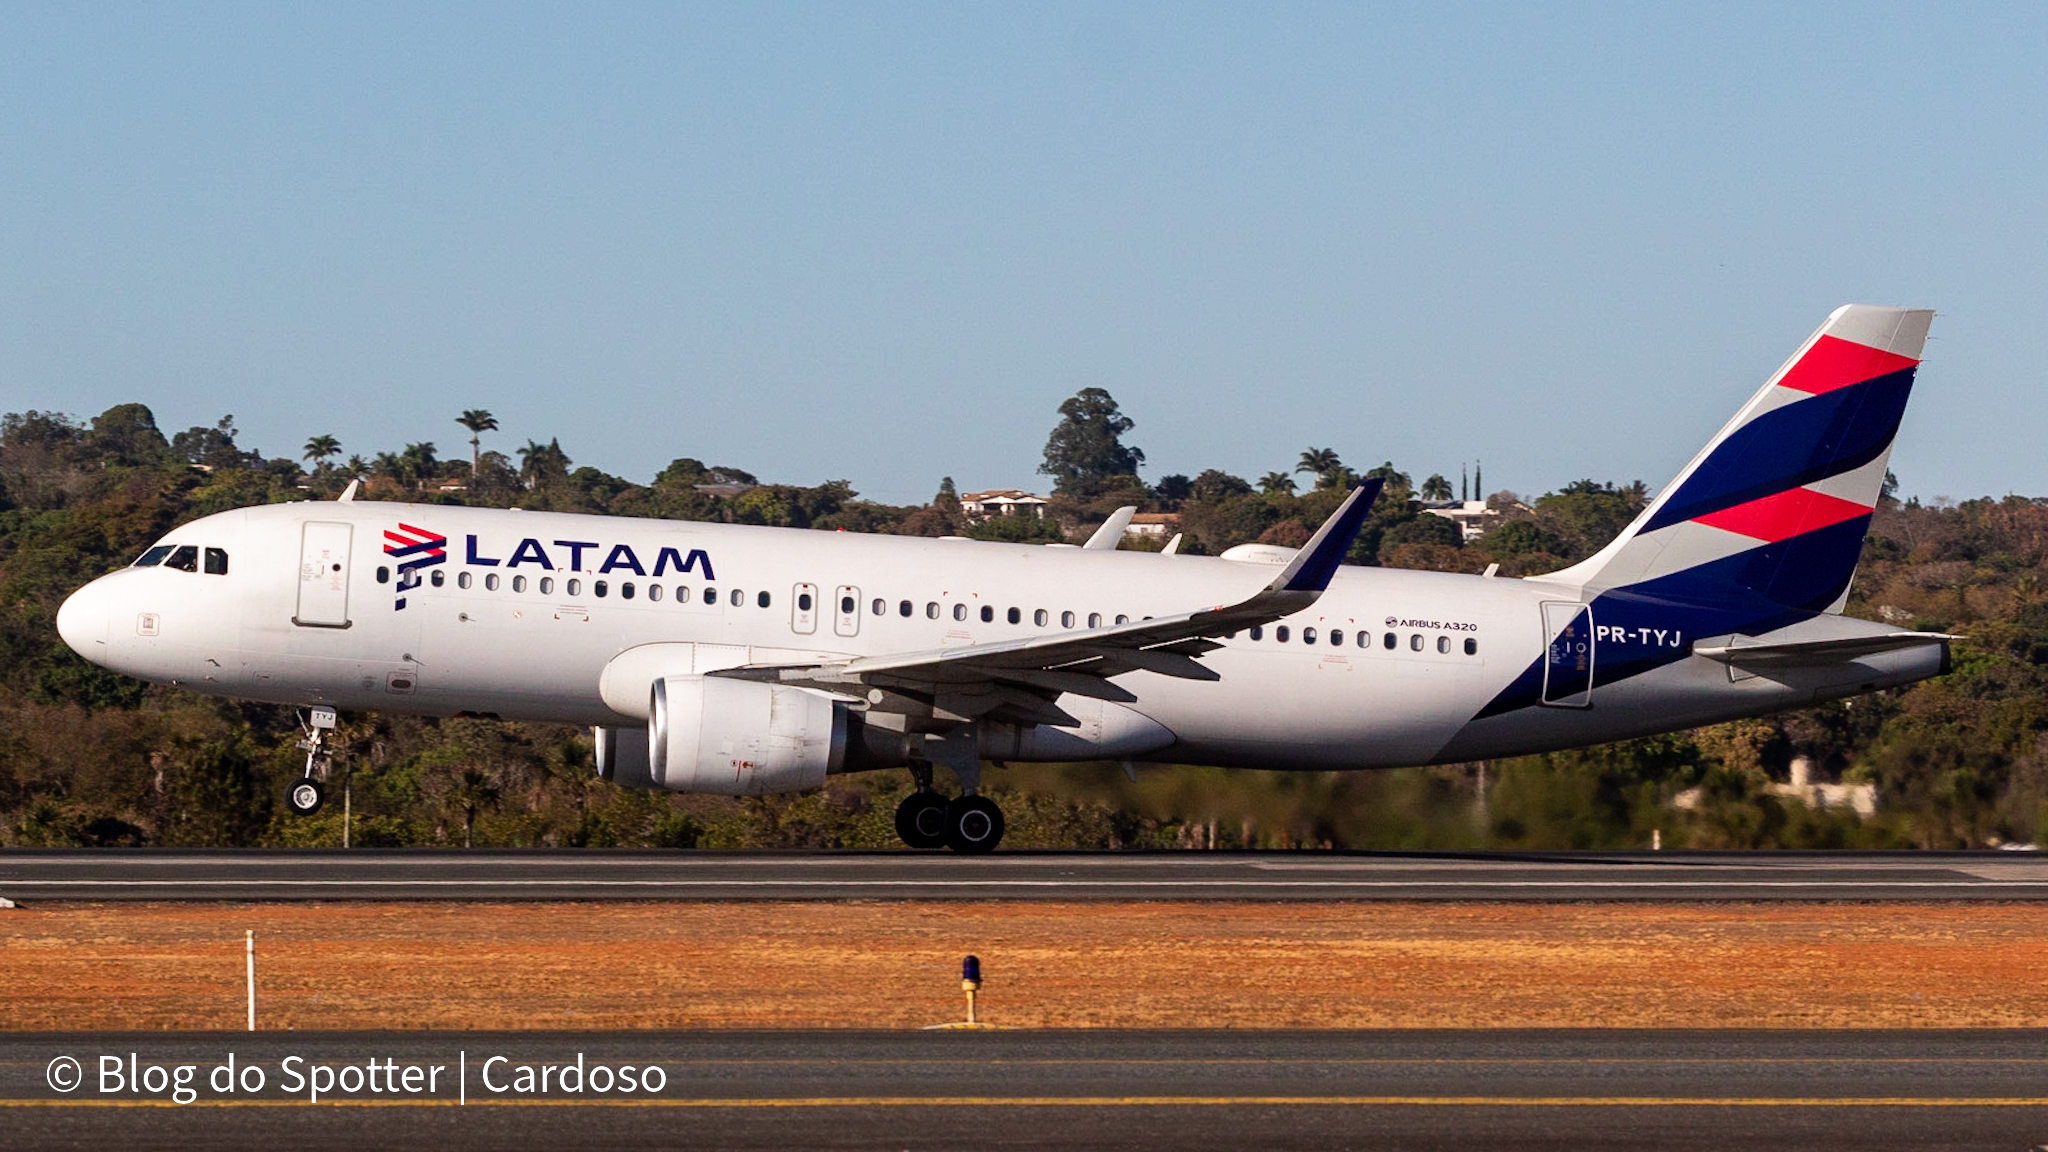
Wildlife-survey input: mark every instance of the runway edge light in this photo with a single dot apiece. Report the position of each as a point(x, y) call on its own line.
point(970, 983)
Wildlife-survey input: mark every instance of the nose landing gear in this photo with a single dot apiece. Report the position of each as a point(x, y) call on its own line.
point(306, 795)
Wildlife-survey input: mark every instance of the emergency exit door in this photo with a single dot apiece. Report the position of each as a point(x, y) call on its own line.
point(803, 609)
point(323, 575)
point(1568, 657)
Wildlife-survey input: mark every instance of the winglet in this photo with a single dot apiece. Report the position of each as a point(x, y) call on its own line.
point(348, 494)
point(1112, 530)
point(1312, 567)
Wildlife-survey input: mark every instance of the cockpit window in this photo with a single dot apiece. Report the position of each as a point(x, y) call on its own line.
point(154, 556)
point(185, 559)
point(217, 562)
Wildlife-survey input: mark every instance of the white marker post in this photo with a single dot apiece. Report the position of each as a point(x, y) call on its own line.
point(252, 979)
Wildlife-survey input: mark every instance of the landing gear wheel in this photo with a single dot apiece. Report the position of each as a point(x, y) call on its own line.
point(973, 824)
point(305, 797)
point(921, 820)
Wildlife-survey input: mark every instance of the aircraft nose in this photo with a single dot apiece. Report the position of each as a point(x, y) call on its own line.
point(82, 621)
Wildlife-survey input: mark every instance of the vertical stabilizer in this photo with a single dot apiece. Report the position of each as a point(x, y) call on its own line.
point(1772, 512)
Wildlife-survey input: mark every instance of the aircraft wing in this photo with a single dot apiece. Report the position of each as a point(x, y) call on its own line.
point(1018, 680)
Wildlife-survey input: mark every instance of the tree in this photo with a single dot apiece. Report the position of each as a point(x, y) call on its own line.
point(319, 448)
point(420, 462)
point(543, 464)
point(1085, 453)
point(1322, 463)
point(1277, 484)
point(1171, 491)
point(1436, 488)
point(478, 421)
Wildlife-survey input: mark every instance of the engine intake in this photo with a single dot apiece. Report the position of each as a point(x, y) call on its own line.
point(742, 737)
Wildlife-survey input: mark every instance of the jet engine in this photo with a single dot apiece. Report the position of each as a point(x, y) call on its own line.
point(622, 757)
point(745, 738)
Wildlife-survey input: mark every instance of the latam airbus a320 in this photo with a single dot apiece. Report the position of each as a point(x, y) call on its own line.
point(744, 660)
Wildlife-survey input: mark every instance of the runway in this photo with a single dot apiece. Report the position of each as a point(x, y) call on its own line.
point(149, 874)
point(1028, 1090)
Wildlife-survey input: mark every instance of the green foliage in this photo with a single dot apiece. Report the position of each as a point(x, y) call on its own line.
point(1085, 453)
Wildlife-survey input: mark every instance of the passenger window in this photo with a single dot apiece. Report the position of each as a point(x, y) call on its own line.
point(185, 559)
point(490, 581)
point(463, 580)
point(1122, 619)
point(1308, 635)
point(437, 579)
point(682, 593)
point(988, 614)
point(519, 583)
point(1471, 646)
point(153, 557)
point(384, 575)
point(1415, 642)
point(847, 606)
point(959, 611)
point(1336, 637)
point(903, 608)
point(736, 598)
point(654, 592)
point(1280, 634)
point(1443, 644)
point(878, 608)
point(626, 590)
point(711, 595)
point(1039, 617)
point(763, 599)
point(931, 609)
point(1365, 639)
point(1095, 619)
point(803, 601)
point(599, 588)
point(1258, 632)
point(1390, 642)
point(1016, 616)
point(547, 585)
point(573, 587)
point(217, 564)
point(1066, 619)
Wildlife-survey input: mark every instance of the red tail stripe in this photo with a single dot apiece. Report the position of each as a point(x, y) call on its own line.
point(1836, 363)
point(1784, 515)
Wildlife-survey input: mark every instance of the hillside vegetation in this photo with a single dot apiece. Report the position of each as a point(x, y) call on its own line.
point(91, 758)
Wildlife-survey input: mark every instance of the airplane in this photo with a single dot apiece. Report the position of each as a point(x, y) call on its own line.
point(744, 660)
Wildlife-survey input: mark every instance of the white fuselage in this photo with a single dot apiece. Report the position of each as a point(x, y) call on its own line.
point(1399, 664)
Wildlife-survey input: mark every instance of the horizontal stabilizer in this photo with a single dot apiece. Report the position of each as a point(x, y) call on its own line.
point(1811, 653)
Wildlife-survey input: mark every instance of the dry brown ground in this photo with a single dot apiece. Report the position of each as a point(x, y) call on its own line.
point(894, 965)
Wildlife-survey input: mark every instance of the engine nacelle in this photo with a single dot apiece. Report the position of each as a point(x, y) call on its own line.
point(742, 737)
point(622, 757)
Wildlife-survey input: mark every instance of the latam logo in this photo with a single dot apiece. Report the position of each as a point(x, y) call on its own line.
point(617, 558)
point(414, 549)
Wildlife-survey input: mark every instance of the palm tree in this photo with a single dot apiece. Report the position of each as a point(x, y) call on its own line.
point(1436, 488)
point(319, 448)
point(1276, 483)
point(478, 421)
point(420, 462)
point(1322, 463)
point(543, 463)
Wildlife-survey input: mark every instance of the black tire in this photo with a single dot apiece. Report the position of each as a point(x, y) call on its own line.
point(305, 796)
point(921, 820)
point(974, 824)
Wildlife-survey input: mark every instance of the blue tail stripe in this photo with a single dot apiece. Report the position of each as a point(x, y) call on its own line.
point(1831, 433)
point(1751, 593)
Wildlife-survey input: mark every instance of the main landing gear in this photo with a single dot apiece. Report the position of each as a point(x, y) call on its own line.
point(306, 795)
point(926, 819)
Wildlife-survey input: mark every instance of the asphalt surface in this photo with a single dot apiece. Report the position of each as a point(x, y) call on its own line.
point(1027, 1090)
point(148, 874)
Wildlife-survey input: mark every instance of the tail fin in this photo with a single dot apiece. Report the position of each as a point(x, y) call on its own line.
point(1774, 509)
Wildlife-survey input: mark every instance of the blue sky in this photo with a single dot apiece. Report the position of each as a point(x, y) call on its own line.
point(882, 242)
